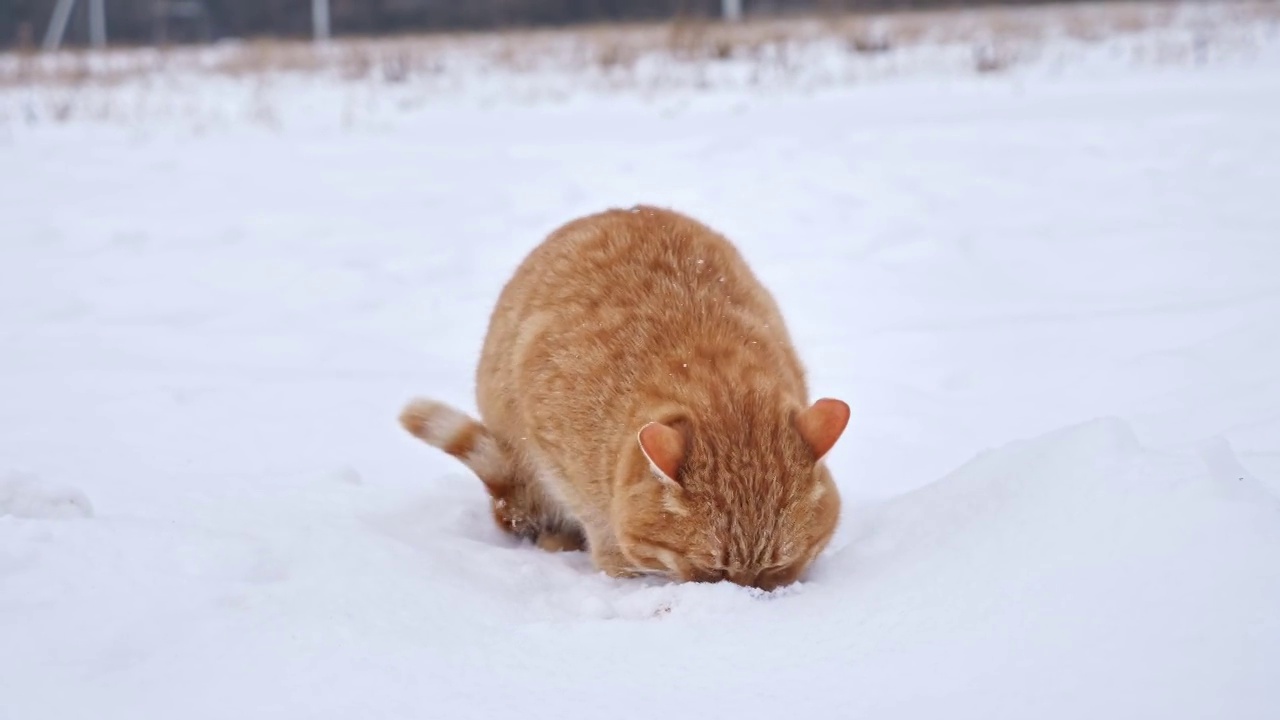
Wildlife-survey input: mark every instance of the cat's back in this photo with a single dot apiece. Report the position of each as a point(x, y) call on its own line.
point(634, 297)
point(638, 261)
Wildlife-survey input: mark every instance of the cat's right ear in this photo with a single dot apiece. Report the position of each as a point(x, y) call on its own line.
point(822, 423)
point(664, 447)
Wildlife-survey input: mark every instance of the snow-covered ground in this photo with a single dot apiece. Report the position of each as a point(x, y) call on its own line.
point(1053, 302)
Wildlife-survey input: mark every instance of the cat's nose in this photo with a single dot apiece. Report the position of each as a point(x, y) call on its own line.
point(754, 578)
point(746, 578)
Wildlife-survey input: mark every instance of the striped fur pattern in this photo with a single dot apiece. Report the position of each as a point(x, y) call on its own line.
point(517, 504)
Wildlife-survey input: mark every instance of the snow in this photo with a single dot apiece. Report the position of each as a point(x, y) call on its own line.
point(1052, 301)
point(26, 496)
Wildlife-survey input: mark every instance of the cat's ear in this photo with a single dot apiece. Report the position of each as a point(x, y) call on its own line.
point(664, 447)
point(821, 425)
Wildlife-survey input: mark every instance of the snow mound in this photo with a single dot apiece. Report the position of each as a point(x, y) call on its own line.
point(1085, 510)
point(1076, 574)
point(27, 496)
point(1078, 538)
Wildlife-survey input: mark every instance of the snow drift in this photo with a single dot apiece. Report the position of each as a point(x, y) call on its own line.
point(1073, 574)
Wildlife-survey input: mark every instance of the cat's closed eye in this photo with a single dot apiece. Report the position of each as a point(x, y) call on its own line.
point(656, 559)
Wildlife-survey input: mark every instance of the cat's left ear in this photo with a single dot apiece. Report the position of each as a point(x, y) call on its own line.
point(821, 425)
point(664, 447)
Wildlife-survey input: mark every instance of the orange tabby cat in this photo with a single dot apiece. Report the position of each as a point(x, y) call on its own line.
point(639, 391)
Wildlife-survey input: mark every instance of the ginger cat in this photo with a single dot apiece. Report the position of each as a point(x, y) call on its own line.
point(639, 392)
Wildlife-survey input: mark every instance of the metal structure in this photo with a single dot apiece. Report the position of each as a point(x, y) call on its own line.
point(195, 11)
point(320, 20)
point(62, 14)
point(57, 29)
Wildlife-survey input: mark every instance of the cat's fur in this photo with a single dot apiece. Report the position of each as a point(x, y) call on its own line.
point(639, 390)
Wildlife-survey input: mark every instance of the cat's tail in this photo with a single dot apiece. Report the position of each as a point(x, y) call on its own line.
point(459, 435)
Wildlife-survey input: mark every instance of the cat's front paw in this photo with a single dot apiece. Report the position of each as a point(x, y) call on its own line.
point(560, 541)
point(614, 564)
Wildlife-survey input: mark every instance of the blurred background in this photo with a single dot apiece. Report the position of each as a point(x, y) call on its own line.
point(24, 22)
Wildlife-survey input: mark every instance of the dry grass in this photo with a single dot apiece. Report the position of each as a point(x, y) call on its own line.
point(615, 50)
point(686, 53)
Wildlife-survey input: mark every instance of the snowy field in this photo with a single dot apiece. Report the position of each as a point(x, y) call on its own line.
point(1051, 296)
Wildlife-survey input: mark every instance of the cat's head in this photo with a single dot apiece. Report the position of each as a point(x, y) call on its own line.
point(742, 497)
